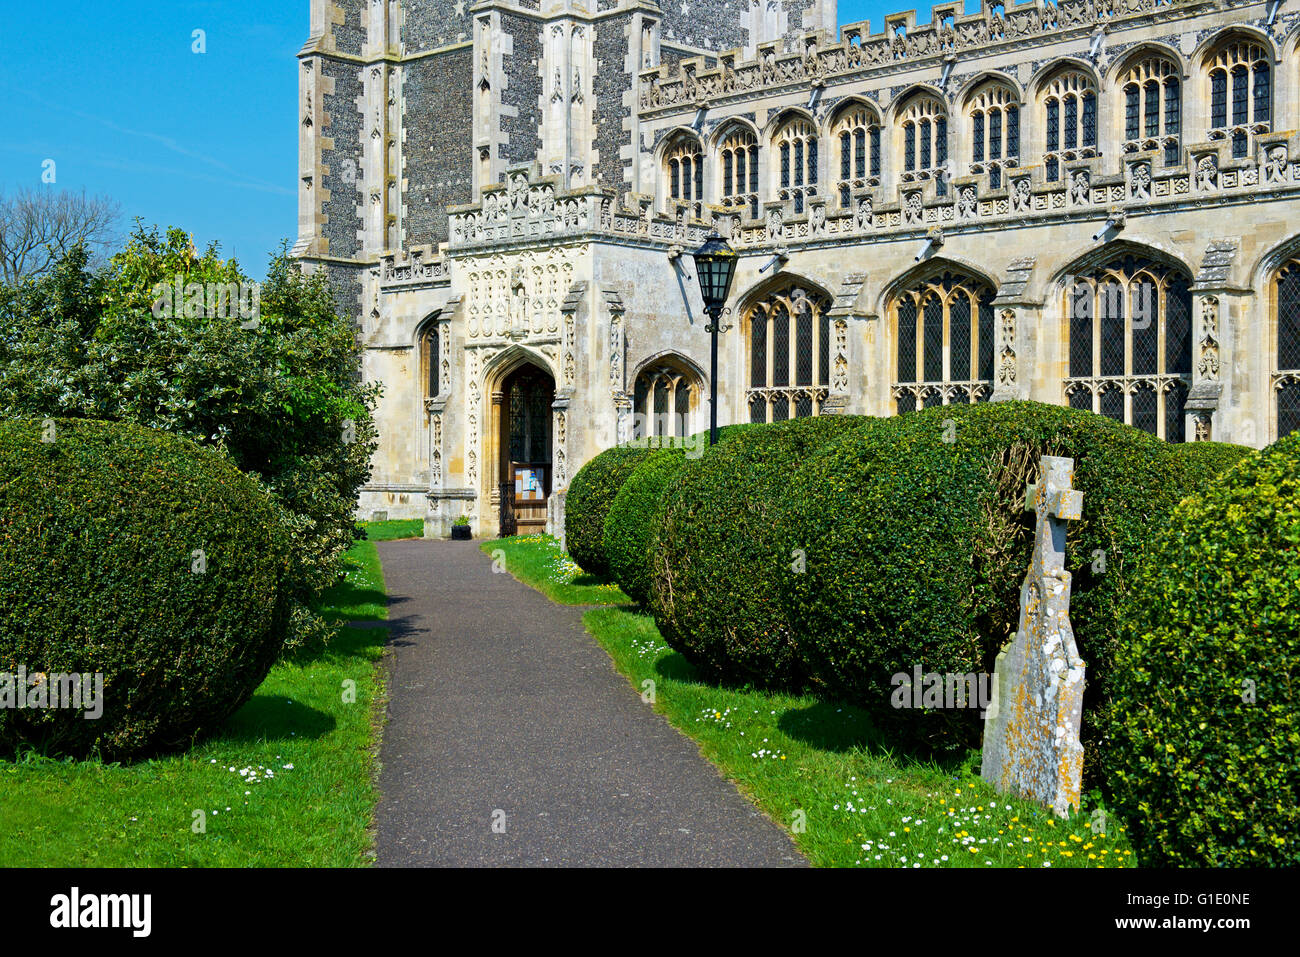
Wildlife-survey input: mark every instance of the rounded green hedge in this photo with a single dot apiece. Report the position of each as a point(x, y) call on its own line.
point(1206, 721)
point(918, 544)
point(591, 493)
point(718, 553)
point(630, 525)
point(142, 557)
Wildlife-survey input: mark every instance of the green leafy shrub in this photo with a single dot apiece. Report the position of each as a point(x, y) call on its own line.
point(718, 553)
point(630, 525)
point(917, 550)
point(591, 493)
point(1205, 755)
point(143, 557)
point(280, 396)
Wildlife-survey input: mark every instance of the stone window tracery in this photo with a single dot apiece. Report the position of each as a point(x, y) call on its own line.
point(1286, 347)
point(789, 354)
point(856, 133)
point(1130, 344)
point(1070, 108)
point(944, 333)
point(684, 170)
point(1241, 95)
point(664, 398)
point(1151, 94)
point(795, 143)
point(924, 125)
point(994, 115)
point(738, 158)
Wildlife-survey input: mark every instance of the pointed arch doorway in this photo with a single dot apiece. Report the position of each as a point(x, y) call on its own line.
point(525, 442)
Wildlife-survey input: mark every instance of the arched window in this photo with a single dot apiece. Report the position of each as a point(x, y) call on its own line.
point(738, 156)
point(795, 143)
point(1070, 108)
point(1241, 94)
point(1130, 344)
point(1286, 348)
point(944, 335)
point(924, 126)
point(430, 358)
point(994, 113)
point(856, 132)
point(789, 354)
point(664, 400)
point(1153, 108)
point(684, 169)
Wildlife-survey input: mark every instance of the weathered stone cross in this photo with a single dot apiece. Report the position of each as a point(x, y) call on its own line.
point(1031, 729)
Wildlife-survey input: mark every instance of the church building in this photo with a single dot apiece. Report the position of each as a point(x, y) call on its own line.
point(1093, 203)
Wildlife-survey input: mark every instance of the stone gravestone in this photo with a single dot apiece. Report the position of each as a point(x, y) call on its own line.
point(1031, 729)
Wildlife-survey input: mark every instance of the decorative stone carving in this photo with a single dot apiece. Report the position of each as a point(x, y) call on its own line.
point(1007, 361)
point(912, 209)
point(1080, 183)
point(1031, 729)
point(1139, 186)
point(840, 371)
point(1204, 426)
point(966, 204)
point(817, 219)
point(561, 445)
point(864, 213)
point(1020, 195)
point(1275, 165)
point(616, 353)
point(1207, 173)
point(1208, 366)
point(435, 451)
point(775, 227)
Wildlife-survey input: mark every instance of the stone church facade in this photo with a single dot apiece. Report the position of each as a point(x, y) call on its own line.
point(1093, 203)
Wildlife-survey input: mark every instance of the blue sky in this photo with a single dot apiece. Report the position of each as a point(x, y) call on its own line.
point(112, 91)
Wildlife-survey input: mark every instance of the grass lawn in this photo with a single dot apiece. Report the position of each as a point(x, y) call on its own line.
point(814, 766)
point(539, 561)
point(394, 529)
point(288, 782)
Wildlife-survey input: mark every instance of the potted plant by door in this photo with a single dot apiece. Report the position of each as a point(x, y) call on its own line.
point(460, 529)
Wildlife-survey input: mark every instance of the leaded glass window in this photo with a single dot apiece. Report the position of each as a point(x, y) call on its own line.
point(789, 337)
point(944, 329)
point(1070, 104)
point(1286, 348)
point(1129, 324)
point(1240, 75)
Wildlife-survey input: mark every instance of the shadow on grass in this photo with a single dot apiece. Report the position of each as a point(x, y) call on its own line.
point(840, 727)
point(674, 666)
point(269, 717)
point(833, 726)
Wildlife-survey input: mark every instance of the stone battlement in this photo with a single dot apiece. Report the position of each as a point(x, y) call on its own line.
point(818, 56)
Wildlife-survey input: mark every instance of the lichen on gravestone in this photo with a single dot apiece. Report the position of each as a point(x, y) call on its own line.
point(1031, 729)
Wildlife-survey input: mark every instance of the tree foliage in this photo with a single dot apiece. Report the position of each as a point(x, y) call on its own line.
point(280, 395)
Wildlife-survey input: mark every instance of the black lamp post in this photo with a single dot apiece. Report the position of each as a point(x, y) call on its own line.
point(715, 265)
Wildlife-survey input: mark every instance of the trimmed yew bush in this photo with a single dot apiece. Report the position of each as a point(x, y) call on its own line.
point(633, 515)
point(591, 493)
point(1205, 753)
point(719, 552)
point(917, 546)
point(146, 558)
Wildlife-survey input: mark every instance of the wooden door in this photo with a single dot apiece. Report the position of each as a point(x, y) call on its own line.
point(531, 486)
